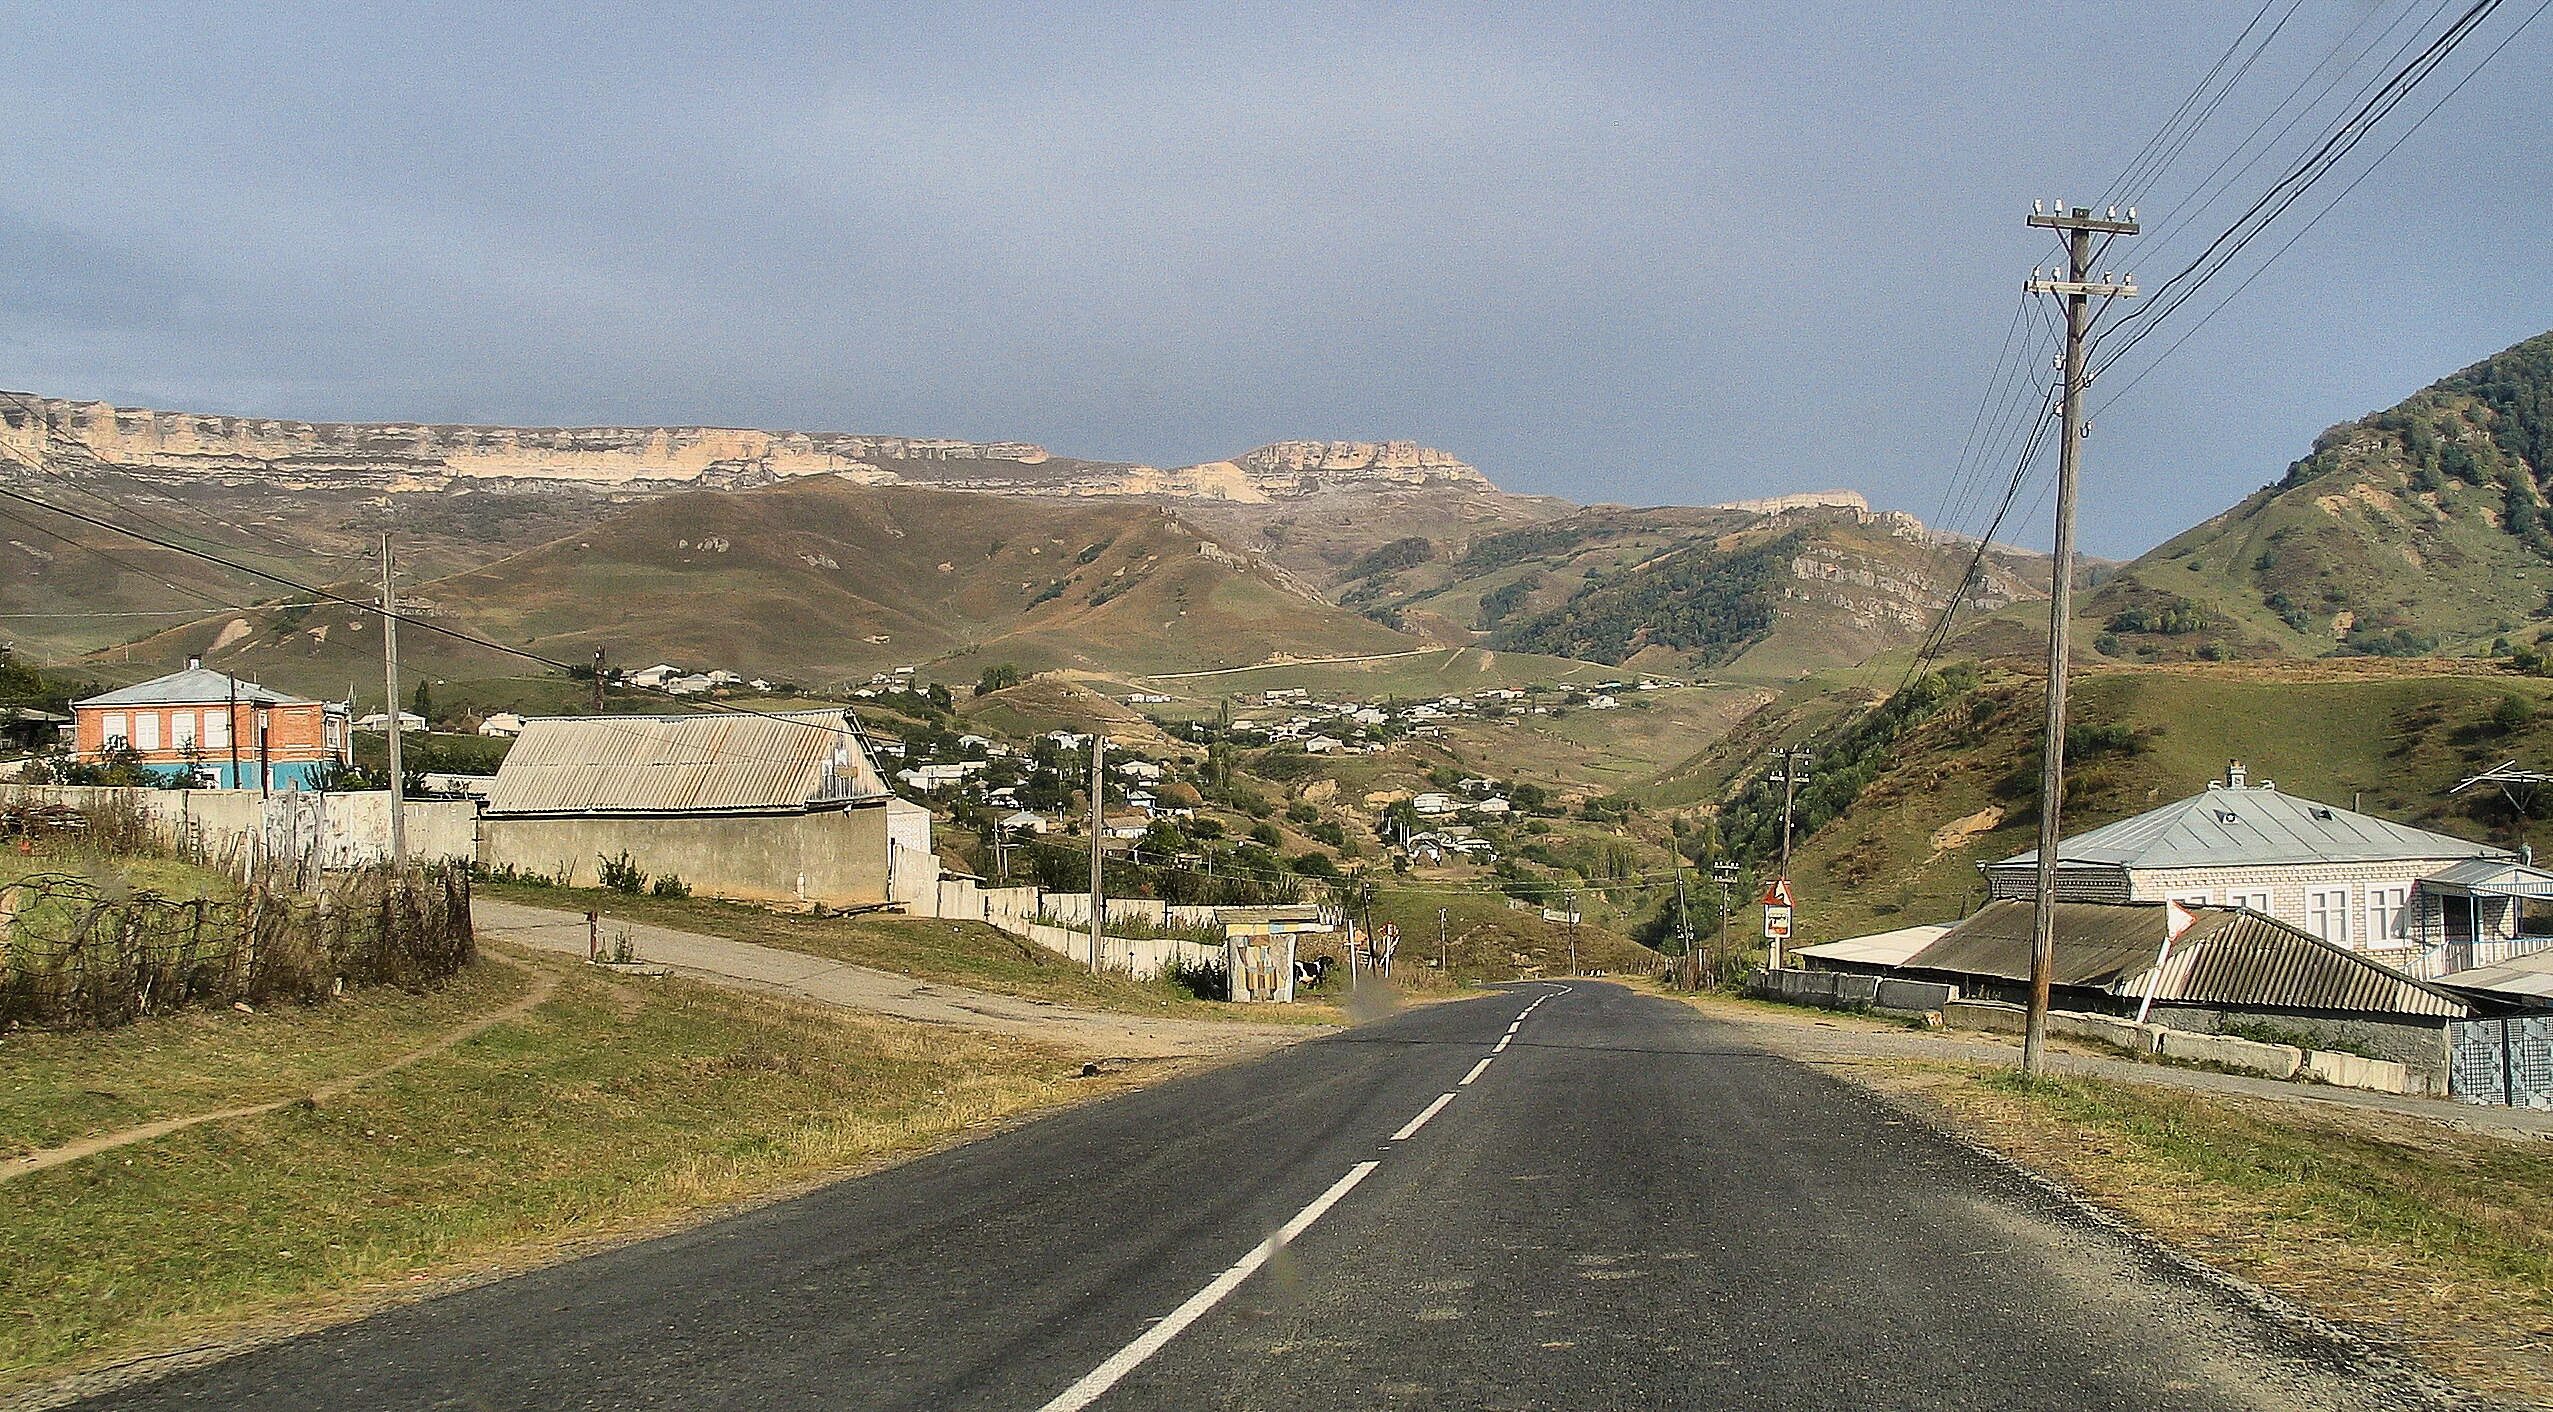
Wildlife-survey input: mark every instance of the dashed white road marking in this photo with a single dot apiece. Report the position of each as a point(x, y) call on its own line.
point(1501, 1046)
point(1477, 1069)
point(1125, 1360)
point(1413, 1125)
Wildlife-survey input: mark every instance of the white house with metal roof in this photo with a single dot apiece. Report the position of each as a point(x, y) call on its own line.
point(2425, 902)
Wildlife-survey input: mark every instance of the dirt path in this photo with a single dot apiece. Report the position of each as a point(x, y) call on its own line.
point(749, 965)
point(543, 985)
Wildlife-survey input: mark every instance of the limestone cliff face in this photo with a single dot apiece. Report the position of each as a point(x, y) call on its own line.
point(419, 456)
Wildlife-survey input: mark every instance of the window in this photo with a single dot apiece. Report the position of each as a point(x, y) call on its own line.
point(146, 730)
point(2257, 901)
point(217, 729)
point(2193, 899)
point(2385, 913)
point(113, 729)
point(181, 729)
point(2327, 914)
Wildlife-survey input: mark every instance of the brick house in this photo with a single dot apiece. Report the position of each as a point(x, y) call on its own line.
point(2425, 903)
point(224, 732)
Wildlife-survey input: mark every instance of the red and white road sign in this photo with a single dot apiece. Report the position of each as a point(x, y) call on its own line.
point(1778, 894)
point(1777, 922)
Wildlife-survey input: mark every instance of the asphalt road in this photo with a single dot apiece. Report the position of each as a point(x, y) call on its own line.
point(1627, 1208)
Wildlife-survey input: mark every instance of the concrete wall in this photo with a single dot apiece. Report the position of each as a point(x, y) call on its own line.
point(837, 857)
point(340, 830)
point(2420, 1046)
point(1837, 990)
point(2278, 1061)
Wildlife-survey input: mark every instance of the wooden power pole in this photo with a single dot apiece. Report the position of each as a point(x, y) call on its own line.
point(1098, 835)
point(390, 673)
point(2077, 290)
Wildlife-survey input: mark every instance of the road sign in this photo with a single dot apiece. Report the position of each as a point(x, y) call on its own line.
point(1778, 894)
point(1777, 922)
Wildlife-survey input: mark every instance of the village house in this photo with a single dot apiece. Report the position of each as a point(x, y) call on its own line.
point(652, 678)
point(778, 808)
point(378, 722)
point(215, 729)
point(503, 725)
point(2424, 902)
point(1433, 802)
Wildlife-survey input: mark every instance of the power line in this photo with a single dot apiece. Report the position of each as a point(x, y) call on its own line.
point(2300, 178)
point(2317, 217)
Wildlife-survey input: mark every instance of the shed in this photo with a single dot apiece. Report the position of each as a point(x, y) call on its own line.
point(763, 807)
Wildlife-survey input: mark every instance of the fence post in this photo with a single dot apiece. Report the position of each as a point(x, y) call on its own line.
point(593, 936)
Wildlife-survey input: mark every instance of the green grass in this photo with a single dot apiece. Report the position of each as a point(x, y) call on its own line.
point(166, 876)
point(612, 1108)
point(2440, 1239)
point(2393, 738)
point(63, 1085)
point(970, 954)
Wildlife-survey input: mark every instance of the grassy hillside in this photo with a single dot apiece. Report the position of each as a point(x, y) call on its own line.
point(1961, 789)
point(1740, 593)
point(2418, 529)
point(819, 581)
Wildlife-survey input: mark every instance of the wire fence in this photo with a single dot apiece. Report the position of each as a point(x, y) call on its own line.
point(80, 949)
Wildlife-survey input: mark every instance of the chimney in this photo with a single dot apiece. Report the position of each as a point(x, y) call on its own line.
point(2235, 774)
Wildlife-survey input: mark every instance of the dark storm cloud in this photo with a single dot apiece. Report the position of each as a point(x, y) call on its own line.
point(1670, 254)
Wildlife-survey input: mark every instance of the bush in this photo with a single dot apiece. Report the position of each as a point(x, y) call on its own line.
point(620, 874)
point(669, 887)
point(2512, 713)
point(1205, 980)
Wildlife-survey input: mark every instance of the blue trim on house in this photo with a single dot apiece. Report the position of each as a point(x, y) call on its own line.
point(282, 774)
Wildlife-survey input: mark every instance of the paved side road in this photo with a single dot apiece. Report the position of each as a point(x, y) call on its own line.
point(1549, 1197)
point(776, 970)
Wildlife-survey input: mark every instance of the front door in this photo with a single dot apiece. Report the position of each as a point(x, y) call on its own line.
point(2457, 913)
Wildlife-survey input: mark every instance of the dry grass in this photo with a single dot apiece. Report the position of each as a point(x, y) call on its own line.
point(613, 1108)
point(2431, 1239)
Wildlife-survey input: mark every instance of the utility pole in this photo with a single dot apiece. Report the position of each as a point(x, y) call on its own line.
point(2078, 289)
point(1098, 835)
point(1725, 874)
point(1572, 895)
point(230, 729)
point(1444, 956)
point(1684, 930)
point(598, 681)
point(390, 672)
point(1795, 763)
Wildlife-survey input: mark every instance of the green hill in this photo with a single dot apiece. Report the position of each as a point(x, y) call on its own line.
point(1961, 788)
point(1743, 593)
point(2418, 529)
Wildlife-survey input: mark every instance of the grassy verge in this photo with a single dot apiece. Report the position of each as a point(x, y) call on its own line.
point(961, 953)
point(56, 1086)
point(611, 1108)
point(2437, 1241)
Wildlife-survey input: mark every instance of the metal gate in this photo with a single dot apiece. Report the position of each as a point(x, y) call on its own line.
point(2507, 1062)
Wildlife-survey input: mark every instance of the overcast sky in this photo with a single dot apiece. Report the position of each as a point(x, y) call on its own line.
point(1656, 254)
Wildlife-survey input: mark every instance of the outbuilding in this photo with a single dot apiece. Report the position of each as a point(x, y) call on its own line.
point(781, 807)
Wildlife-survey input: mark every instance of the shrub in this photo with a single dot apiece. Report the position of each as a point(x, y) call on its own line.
point(1205, 980)
point(669, 886)
point(620, 874)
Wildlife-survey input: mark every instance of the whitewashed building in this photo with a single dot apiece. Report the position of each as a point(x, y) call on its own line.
point(2426, 903)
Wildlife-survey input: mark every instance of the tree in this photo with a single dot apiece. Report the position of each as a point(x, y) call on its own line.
point(423, 703)
point(999, 677)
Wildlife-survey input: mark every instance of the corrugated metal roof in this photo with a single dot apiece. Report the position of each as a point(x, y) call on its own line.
point(2096, 943)
point(2228, 956)
point(195, 686)
point(2227, 827)
point(1876, 949)
point(2524, 979)
point(2491, 877)
point(682, 764)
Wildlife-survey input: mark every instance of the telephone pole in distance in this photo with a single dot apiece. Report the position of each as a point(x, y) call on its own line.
point(2077, 289)
point(390, 674)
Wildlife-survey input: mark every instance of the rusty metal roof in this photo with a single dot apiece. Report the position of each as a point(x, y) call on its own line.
point(736, 763)
point(2229, 956)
